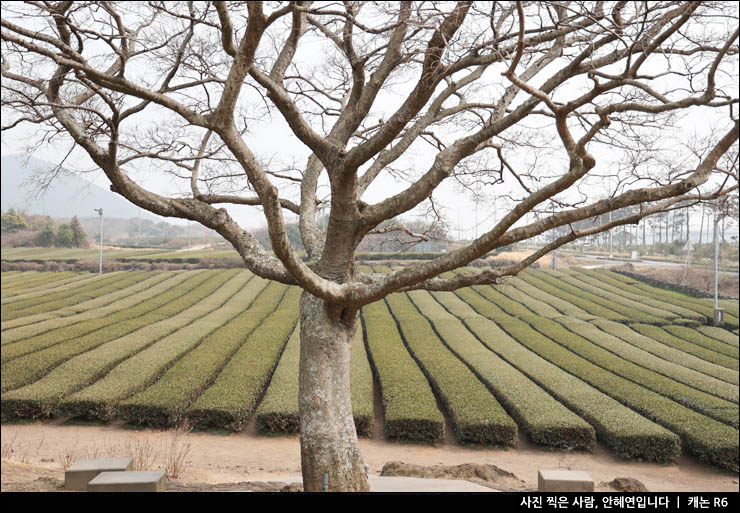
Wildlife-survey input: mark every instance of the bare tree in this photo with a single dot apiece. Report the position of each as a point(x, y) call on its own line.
point(541, 101)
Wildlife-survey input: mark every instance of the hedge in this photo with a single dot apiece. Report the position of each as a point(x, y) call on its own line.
point(698, 338)
point(542, 418)
point(718, 409)
point(53, 301)
point(662, 336)
point(706, 438)
point(476, 415)
point(40, 398)
point(701, 306)
point(609, 284)
point(278, 411)
point(629, 434)
point(93, 309)
point(408, 401)
point(650, 362)
point(26, 290)
point(534, 304)
point(644, 305)
point(29, 367)
point(586, 305)
point(720, 334)
point(507, 305)
point(564, 307)
point(668, 353)
point(100, 399)
point(89, 327)
point(232, 398)
point(630, 312)
point(164, 402)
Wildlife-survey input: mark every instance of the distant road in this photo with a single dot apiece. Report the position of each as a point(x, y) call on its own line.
point(603, 262)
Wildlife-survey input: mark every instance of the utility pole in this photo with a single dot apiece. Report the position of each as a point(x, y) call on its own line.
point(718, 312)
point(100, 212)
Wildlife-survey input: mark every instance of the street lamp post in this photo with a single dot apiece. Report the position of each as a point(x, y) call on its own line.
point(718, 312)
point(100, 212)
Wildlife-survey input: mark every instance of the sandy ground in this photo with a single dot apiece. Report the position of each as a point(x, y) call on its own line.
point(39, 451)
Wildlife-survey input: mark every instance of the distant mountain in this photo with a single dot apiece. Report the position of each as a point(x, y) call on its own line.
point(68, 195)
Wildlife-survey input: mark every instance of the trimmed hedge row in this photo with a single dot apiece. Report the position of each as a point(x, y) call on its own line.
point(476, 415)
point(278, 411)
point(609, 284)
point(682, 291)
point(408, 402)
point(720, 334)
point(26, 290)
point(545, 420)
point(586, 305)
point(29, 281)
point(662, 336)
point(164, 402)
point(42, 397)
point(33, 325)
point(634, 314)
point(100, 399)
point(650, 362)
point(88, 327)
point(533, 304)
point(564, 307)
point(54, 301)
point(718, 409)
point(232, 398)
point(577, 280)
point(668, 353)
point(629, 434)
point(701, 306)
point(507, 305)
point(698, 338)
point(706, 438)
point(30, 367)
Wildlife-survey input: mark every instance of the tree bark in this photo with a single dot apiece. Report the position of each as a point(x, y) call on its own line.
point(328, 435)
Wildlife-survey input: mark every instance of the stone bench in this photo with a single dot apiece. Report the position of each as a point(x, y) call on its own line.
point(132, 481)
point(82, 472)
point(564, 481)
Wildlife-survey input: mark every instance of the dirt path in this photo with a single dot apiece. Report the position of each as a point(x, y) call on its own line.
point(214, 458)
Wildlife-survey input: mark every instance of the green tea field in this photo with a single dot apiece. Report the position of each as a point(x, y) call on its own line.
point(566, 358)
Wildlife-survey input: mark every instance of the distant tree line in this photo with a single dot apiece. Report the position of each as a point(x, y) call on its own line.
point(20, 229)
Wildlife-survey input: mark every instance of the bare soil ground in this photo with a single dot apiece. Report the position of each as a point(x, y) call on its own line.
point(240, 461)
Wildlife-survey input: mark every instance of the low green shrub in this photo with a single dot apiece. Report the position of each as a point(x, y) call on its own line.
point(718, 409)
point(708, 439)
point(696, 337)
point(163, 403)
point(584, 304)
point(651, 362)
point(612, 302)
point(662, 336)
point(408, 401)
point(232, 398)
point(477, 417)
point(541, 417)
point(40, 398)
point(152, 283)
point(100, 399)
point(629, 434)
point(720, 334)
point(670, 354)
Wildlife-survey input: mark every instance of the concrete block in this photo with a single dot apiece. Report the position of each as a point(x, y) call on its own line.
point(81, 472)
point(564, 481)
point(137, 481)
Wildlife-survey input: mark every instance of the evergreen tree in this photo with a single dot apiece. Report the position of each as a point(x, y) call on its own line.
point(65, 236)
point(79, 237)
point(45, 238)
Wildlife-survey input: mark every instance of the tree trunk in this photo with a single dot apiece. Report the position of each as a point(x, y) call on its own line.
point(328, 435)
